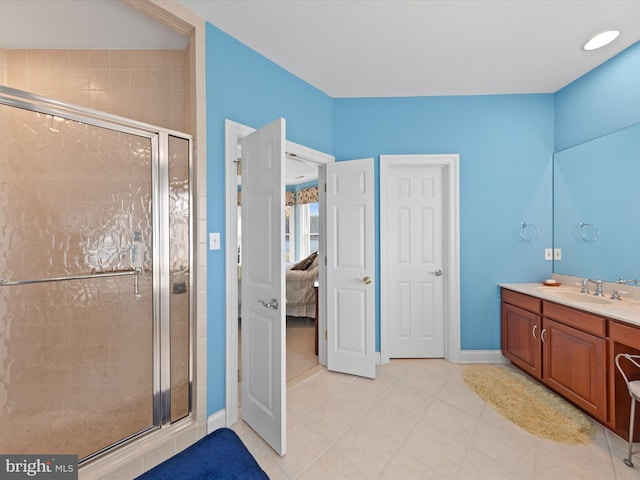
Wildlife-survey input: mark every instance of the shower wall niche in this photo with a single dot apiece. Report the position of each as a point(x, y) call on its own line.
point(95, 278)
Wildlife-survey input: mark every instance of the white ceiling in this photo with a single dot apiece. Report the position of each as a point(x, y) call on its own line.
point(361, 48)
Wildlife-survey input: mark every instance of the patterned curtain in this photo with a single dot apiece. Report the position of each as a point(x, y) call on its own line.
point(308, 195)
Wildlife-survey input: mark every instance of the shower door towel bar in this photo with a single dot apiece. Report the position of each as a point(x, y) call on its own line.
point(120, 273)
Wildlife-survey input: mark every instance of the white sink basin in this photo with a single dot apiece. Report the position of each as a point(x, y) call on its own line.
point(576, 296)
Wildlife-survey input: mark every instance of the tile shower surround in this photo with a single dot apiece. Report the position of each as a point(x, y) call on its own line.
point(128, 463)
point(145, 85)
point(71, 197)
point(85, 347)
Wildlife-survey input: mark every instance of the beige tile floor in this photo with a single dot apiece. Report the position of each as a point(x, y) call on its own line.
point(418, 419)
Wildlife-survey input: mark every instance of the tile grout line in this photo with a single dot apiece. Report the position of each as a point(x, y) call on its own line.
point(400, 444)
point(331, 444)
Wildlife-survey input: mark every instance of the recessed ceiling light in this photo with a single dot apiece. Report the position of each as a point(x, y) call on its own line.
point(601, 40)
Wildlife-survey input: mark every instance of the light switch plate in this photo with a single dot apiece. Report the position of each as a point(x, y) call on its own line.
point(557, 254)
point(548, 253)
point(214, 241)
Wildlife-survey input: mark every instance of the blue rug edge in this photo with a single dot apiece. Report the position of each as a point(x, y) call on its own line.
point(218, 455)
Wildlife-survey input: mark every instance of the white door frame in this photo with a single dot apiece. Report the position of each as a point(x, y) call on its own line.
point(233, 133)
point(450, 164)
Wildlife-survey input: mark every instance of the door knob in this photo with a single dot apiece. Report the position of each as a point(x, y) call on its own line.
point(365, 280)
point(437, 273)
point(272, 304)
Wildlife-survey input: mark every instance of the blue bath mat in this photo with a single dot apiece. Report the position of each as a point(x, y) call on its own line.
point(219, 455)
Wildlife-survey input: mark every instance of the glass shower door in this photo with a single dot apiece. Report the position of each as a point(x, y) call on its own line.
point(76, 284)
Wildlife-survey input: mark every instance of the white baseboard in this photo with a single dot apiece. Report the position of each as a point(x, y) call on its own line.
point(482, 356)
point(216, 421)
point(468, 356)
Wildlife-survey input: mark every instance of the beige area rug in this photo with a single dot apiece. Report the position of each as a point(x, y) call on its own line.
point(528, 404)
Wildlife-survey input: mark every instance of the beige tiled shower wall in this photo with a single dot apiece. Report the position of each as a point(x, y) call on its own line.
point(77, 366)
point(145, 85)
point(3, 66)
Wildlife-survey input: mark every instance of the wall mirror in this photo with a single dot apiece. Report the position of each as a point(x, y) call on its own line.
point(596, 207)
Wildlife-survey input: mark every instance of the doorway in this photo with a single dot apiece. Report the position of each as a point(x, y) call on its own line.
point(233, 133)
point(301, 246)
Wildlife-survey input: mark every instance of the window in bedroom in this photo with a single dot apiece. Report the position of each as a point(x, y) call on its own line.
point(289, 234)
point(309, 228)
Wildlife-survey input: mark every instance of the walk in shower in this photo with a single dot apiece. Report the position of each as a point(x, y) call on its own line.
point(95, 278)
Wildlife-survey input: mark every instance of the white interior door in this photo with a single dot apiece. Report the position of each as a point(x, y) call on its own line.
point(412, 257)
point(351, 267)
point(263, 286)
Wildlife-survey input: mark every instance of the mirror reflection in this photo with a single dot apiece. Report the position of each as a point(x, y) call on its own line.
point(596, 195)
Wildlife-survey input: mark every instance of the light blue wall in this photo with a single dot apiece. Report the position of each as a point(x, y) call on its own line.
point(505, 144)
point(600, 102)
point(245, 87)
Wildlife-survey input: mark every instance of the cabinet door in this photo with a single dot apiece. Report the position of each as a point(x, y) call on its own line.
point(521, 339)
point(574, 365)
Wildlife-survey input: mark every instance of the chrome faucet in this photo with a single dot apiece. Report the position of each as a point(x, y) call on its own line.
point(598, 292)
point(615, 295)
point(633, 281)
point(585, 285)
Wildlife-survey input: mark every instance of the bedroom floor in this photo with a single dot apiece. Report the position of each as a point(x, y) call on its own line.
point(418, 419)
point(301, 335)
point(301, 357)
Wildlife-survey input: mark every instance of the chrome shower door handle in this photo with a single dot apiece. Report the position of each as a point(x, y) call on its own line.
point(272, 304)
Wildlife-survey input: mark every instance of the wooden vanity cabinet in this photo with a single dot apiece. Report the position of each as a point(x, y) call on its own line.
point(521, 327)
point(574, 365)
point(562, 347)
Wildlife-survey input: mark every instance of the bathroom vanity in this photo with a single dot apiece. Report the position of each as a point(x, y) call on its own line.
point(568, 341)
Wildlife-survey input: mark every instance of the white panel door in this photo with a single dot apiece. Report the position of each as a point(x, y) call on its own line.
point(413, 260)
point(351, 268)
point(263, 302)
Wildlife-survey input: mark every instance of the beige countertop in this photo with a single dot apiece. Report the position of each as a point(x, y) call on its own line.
point(626, 310)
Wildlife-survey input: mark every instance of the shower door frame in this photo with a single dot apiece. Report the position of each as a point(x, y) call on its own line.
point(161, 288)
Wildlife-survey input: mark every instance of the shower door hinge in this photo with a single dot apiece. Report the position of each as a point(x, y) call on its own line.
point(239, 376)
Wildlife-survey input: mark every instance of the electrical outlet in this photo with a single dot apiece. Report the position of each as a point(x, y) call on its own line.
point(557, 254)
point(548, 254)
